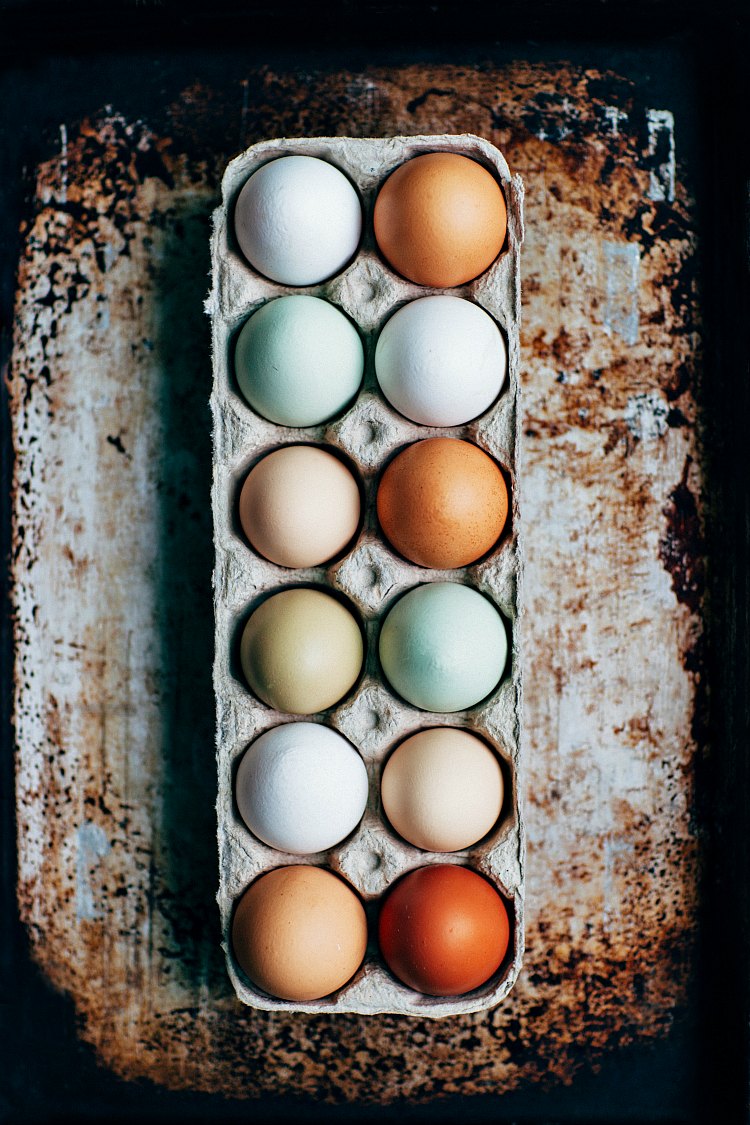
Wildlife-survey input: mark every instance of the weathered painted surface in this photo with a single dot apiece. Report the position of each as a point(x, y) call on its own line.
point(109, 386)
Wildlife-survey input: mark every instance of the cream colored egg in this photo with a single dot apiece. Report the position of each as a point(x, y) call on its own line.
point(300, 506)
point(442, 789)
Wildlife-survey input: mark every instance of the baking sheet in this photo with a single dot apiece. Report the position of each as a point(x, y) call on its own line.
point(108, 384)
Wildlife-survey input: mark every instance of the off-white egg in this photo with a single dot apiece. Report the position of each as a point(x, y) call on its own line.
point(442, 789)
point(299, 506)
point(298, 220)
point(441, 360)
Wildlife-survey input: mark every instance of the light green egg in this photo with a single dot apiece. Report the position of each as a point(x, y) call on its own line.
point(299, 361)
point(443, 647)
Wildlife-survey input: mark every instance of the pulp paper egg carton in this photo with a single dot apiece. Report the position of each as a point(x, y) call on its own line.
point(370, 577)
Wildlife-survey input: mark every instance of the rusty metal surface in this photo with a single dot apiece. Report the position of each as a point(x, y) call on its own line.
point(112, 556)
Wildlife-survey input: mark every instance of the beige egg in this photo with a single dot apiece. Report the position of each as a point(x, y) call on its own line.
point(299, 506)
point(299, 932)
point(442, 789)
point(301, 651)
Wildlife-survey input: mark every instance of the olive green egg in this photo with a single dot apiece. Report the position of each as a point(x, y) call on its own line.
point(301, 651)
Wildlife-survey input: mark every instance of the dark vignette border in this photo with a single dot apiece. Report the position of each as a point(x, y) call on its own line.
point(48, 1076)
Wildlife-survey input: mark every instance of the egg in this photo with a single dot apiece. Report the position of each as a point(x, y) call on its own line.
point(301, 788)
point(440, 219)
point(299, 506)
point(441, 360)
point(443, 647)
point(442, 503)
point(298, 220)
point(298, 360)
point(443, 930)
point(442, 789)
point(299, 933)
point(301, 651)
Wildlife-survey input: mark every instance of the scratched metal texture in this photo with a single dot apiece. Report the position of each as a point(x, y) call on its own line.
point(112, 555)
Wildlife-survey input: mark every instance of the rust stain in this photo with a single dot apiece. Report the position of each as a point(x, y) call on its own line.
point(110, 356)
point(681, 549)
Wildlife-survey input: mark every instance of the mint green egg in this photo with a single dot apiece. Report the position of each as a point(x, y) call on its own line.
point(299, 361)
point(443, 647)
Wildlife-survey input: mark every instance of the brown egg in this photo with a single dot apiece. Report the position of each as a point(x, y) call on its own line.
point(299, 932)
point(440, 219)
point(442, 503)
point(443, 930)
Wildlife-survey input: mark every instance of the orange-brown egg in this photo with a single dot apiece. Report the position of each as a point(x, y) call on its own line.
point(442, 503)
point(299, 932)
point(440, 219)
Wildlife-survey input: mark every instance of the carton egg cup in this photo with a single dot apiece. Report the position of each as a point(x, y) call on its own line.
point(370, 577)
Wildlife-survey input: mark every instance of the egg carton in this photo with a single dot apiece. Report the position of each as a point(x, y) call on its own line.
point(370, 577)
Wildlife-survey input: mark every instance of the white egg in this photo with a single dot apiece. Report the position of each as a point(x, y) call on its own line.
point(301, 788)
point(441, 361)
point(298, 220)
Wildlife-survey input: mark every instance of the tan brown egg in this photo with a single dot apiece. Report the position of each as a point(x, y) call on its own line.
point(299, 932)
point(442, 503)
point(440, 219)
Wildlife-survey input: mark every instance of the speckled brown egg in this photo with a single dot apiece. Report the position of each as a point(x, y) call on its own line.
point(440, 219)
point(442, 503)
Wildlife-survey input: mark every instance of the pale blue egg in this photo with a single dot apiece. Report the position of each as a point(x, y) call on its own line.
point(443, 647)
point(299, 361)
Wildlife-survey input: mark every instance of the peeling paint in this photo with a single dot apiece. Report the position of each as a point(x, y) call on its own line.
point(615, 117)
point(661, 150)
point(92, 845)
point(622, 275)
point(646, 416)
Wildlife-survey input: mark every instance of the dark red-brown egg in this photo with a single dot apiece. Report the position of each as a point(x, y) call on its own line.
point(443, 930)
